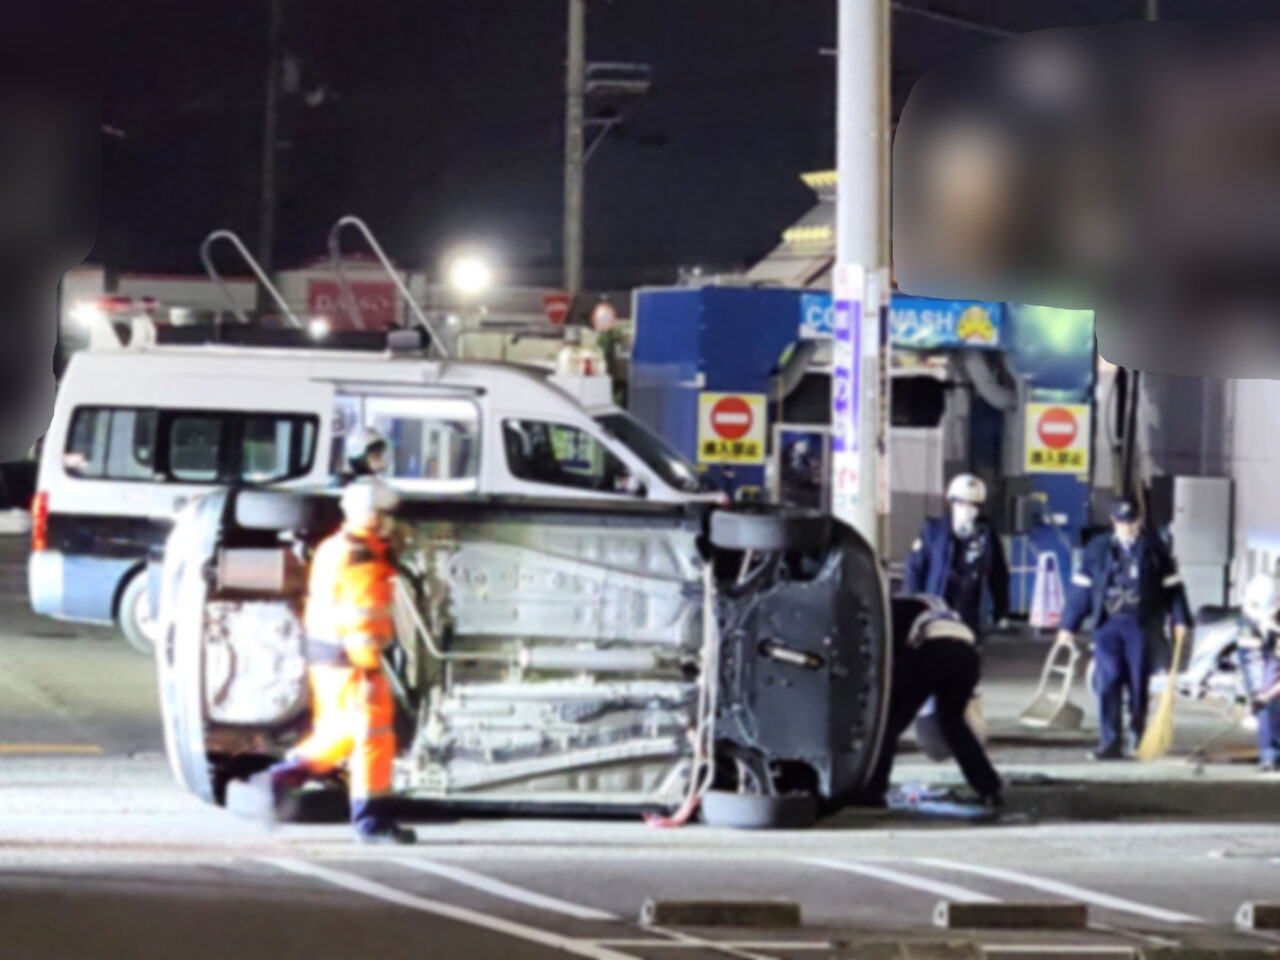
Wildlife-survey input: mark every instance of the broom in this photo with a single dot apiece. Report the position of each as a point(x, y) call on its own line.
point(1159, 735)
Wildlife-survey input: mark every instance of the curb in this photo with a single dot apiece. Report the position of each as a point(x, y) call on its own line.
point(924, 950)
point(776, 914)
point(1011, 916)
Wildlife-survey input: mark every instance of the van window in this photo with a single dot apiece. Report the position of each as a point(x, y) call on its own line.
point(428, 438)
point(189, 446)
point(563, 456)
point(276, 448)
point(111, 444)
point(195, 446)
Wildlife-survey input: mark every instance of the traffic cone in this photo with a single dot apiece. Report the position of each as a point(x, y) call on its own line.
point(1047, 597)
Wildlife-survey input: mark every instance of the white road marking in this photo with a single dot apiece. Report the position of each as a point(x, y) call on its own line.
point(945, 890)
point(1069, 890)
point(506, 891)
point(508, 928)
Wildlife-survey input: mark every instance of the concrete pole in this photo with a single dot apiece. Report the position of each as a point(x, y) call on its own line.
point(574, 159)
point(860, 492)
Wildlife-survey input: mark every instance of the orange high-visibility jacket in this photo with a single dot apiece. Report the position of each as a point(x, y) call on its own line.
point(350, 596)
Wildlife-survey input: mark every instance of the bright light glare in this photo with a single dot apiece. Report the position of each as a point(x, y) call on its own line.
point(318, 328)
point(87, 313)
point(470, 274)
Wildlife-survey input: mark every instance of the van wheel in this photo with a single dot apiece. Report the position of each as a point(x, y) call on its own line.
point(135, 616)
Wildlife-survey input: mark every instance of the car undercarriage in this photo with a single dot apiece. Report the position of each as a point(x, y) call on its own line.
point(549, 654)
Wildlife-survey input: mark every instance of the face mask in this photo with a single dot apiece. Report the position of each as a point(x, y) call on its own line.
point(963, 517)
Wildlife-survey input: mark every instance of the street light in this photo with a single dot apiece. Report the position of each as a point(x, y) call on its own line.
point(469, 274)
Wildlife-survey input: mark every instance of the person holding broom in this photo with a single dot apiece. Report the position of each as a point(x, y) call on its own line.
point(1129, 584)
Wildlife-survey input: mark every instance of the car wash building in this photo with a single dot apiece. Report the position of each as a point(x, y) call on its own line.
point(737, 373)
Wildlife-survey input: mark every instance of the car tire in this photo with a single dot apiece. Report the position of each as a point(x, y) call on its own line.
point(135, 615)
point(755, 811)
point(772, 530)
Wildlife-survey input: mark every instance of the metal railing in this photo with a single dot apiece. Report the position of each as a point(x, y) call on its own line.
point(216, 278)
point(344, 284)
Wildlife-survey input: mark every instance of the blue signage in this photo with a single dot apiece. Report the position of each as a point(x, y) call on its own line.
point(917, 323)
point(921, 323)
point(817, 316)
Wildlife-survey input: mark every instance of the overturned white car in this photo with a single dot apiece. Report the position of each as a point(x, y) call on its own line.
point(567, 655)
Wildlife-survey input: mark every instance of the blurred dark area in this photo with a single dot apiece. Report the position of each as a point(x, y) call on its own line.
point(1133, 169)
point(50, 72)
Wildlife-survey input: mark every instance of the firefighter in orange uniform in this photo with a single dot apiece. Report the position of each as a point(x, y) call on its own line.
point(348, 626)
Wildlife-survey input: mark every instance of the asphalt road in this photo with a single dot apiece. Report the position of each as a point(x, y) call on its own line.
point(102, 856)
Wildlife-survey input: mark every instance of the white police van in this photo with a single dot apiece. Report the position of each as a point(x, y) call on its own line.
point(139, 431)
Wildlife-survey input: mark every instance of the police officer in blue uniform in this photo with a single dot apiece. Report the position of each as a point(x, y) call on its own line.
point(959, 558)
point(1128, 583)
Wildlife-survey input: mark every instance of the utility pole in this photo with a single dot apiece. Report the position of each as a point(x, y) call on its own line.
point(270, 137)
point(574, 158)
point(860, 494)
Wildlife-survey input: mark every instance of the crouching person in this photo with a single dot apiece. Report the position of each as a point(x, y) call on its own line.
point(934, 656)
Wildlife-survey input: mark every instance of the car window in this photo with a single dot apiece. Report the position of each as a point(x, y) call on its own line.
point(564, 456)
point(117, 444)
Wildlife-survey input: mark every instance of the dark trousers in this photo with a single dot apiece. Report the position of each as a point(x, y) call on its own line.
point(946, 670)
point(1122, 655)
point(1269, 716)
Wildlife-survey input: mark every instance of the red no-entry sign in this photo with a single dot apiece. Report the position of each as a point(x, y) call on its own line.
point(731, 418)
point(1057, 438)
point(731, 428)
point(1057, 428)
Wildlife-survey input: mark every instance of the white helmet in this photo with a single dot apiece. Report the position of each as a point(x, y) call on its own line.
point(360, 440)
point(968, 489)
point(367, 497)
point(1261, 598)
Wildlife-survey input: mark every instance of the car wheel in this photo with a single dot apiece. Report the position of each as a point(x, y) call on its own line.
point(136, 622)
point(756, 811)
point(771, 530)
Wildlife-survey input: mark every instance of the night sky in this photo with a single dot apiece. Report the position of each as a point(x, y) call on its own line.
point(441, 121)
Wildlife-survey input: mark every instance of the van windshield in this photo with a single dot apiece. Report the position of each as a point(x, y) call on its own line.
point(658, 455)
